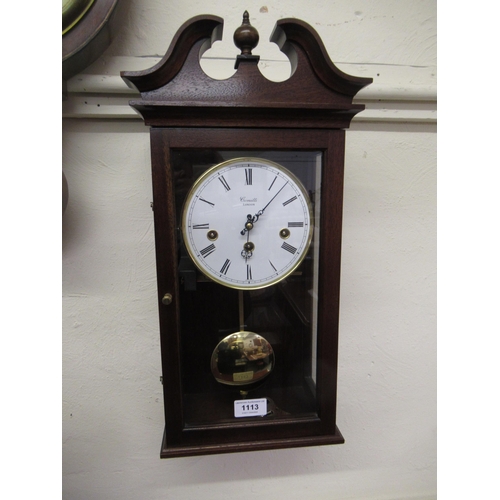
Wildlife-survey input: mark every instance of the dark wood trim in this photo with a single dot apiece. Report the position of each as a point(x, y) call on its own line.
point(167, 279)
point(329, 279)
point(221, 116)
point(290, 33)
point(207, 29)
point(168, 451)
point(316, 85)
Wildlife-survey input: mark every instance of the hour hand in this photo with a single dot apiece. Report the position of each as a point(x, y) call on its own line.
point(248, 224)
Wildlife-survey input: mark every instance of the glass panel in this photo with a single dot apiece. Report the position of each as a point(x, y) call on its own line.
point(255, 342)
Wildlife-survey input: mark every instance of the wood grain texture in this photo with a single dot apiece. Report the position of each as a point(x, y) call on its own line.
point(290, 34)
point(207, 29)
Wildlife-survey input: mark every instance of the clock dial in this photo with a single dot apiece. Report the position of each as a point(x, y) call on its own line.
point(247, 223)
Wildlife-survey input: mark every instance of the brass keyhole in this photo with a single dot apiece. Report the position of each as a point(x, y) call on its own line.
point(212, 235)
point(167, 299)
point(285, 233)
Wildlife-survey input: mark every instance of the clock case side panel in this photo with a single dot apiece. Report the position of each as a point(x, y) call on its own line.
point(182, 440)
point(167, 281)
point(330, 268)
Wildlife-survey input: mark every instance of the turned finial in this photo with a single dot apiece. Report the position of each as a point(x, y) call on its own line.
point(246, 37)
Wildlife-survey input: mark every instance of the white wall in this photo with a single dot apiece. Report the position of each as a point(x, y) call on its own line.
point(112, 398)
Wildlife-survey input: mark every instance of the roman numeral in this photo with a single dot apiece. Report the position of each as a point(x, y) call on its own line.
point(248, 176)
point(225, 267)
point(207, 250)
point(209, 202)
point(295, 224)
point(249, 272)
point(274, 180)
point(224, 183)
point(288, 248)
point(285, 203)
point(201, 226)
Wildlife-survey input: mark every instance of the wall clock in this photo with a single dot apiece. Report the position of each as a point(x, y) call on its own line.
point(247, 197)
point(87, 30)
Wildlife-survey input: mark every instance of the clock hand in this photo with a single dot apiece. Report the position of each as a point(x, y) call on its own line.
point(248, 224)
point(248, 247)
point(251, 220)
point(260, 212)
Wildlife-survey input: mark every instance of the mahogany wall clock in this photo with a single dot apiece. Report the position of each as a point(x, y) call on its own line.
point(247, 196)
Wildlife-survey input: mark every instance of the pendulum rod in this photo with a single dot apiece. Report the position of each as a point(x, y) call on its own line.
point(241, 311)
point(241, 308)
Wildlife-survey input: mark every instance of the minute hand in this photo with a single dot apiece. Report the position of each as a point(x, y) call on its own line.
point(260, 212)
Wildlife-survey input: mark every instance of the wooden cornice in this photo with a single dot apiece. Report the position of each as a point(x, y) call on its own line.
point(204, 28)
point(317, 94)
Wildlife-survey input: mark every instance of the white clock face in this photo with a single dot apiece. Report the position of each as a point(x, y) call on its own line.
point(247, 223)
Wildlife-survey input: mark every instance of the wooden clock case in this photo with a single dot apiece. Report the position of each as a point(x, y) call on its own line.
point(193, 119)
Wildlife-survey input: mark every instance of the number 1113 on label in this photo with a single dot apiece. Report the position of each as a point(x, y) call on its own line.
point(250, 408)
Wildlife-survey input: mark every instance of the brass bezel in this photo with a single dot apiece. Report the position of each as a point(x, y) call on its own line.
point(208, 173)
point(72, 12)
